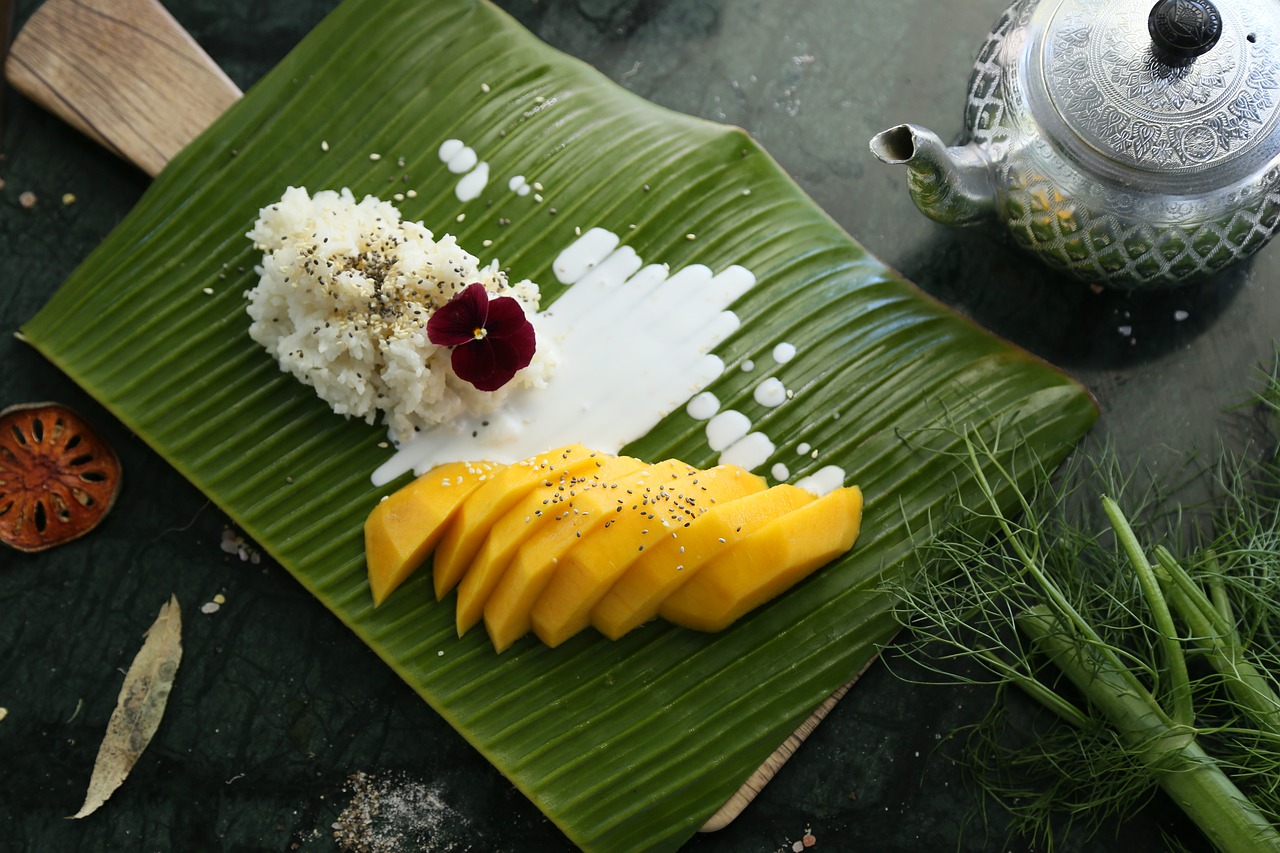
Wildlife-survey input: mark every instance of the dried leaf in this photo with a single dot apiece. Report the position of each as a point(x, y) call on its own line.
point(139, 707)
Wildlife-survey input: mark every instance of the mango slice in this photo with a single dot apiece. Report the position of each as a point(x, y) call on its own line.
point(592, 566)
point(760, 566)
point(559, 499)
point(489, 502)
point(626, 482)
point(406, 525)
point(635, 597)
point(574, 538)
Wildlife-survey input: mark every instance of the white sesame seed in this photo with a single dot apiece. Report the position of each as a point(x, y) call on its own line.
point(375, 156)
point(484, 87)
point(324, 145)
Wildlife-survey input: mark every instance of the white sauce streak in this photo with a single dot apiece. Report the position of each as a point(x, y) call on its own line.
point(634, 344)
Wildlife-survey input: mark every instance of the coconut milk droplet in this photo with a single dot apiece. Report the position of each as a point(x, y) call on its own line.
point(449, 148)
point(823, 480)
point(750, 452)
point(780, 472)
point(703, 406)
point(771, 393)
point(726, 428)
point(803, 447)
point(473, 183)
point(463, 161)
point(748, 366)
point(783, 353)
point(519, 185)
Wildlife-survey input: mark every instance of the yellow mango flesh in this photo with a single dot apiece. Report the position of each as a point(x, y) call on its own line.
point(772, 559)
point(406, 525)
point(479, 511)
point(507, 610)
point(553, 497)
point(592, 566)
point(634, 598)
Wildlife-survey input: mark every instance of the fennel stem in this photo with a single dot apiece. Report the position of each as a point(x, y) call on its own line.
point(1178, 764)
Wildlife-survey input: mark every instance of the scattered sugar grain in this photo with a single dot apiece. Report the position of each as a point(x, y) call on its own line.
point(68, 198)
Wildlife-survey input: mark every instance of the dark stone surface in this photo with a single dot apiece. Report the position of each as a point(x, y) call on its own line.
point(278, 704)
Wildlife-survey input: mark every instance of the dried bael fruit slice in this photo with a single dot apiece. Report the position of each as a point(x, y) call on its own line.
point(58, 479)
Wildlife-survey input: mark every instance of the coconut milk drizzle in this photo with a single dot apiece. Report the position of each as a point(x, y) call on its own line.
point(632, 344)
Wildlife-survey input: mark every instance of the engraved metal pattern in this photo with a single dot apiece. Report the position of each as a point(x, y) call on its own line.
point(1107, 82)
point(1093, 227)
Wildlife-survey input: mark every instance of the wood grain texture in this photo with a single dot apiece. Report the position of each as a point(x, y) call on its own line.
point(124, 72)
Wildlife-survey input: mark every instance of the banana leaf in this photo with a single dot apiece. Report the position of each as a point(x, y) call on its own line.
point(626, 745)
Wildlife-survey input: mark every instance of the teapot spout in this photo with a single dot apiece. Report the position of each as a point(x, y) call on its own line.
point(949, 185)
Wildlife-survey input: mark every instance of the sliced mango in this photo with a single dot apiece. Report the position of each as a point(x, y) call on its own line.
point(772, 559)
point(557, 499)
point(635, 597)
point(488, 503)
point(406, 525)
point(591, 566)
point(621, 482)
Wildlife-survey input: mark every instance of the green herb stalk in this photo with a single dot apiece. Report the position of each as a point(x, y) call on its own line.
point(1128, 640)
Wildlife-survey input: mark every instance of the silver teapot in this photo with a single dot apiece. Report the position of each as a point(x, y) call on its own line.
point(1126, 144)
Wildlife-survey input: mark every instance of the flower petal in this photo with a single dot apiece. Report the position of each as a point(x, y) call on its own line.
point(509, 324)
point(476, 362)
point(455, 322)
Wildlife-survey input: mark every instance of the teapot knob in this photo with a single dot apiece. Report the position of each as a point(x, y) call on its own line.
point(1181, 30)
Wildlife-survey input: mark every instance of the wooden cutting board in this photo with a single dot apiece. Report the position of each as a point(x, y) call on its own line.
point(126, 74)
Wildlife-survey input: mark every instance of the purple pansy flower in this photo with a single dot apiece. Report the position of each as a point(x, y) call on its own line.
point(492, 339)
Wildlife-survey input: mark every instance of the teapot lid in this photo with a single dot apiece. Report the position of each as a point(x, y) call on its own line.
point(1183, 89)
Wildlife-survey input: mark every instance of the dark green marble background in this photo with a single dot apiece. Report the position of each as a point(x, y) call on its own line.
point(277, 704)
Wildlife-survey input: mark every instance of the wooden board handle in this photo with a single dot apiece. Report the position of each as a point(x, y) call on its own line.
point(124, 72)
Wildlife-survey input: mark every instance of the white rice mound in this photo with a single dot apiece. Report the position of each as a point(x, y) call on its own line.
point(344, 293)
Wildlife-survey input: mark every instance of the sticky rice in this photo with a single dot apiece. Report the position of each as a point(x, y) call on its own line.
point(344, 293)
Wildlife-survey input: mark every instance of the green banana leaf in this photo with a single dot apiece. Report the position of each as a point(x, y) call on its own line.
point(625, 745)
